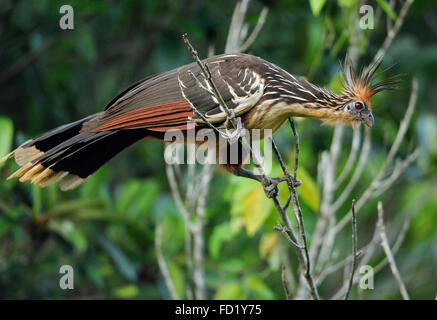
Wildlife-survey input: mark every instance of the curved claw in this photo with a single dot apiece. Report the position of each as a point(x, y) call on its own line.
point(284, 178)
point(272, 190)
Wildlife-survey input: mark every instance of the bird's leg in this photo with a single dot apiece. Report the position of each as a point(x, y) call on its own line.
point(270, 186)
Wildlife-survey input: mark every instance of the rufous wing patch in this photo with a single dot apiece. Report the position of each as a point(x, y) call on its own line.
point(160, 117)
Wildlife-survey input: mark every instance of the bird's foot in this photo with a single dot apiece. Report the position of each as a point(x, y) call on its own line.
point(271, 189)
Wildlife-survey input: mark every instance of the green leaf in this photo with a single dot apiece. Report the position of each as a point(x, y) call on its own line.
point(316, 33)
point(387, 9)
point(308, 190)
point(335, 83)
point(95, 184)
point(347, 3)
point(255, 209)
point(136, 197)
point(230, 291)
point(267, 243)
point(261, 290)
point(173, 233)
point(221, 233)
point(37, 201)
point(124, 265)
point(177, 277)
point(69, 232)
point(6, 135)
point(127, 292)
point(317, 6)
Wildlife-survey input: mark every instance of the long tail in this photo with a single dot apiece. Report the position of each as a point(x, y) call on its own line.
point(68, 155)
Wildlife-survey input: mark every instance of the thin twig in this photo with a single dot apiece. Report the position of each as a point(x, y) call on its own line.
point(196, 193)
point(396, 246)
point(378, 185)
point(364, 156)
point(162, 264)
point(199, 243)
point(208, 77)
point(303, 246)
point(354, 251)
point(393, 31)
point(287, 234)
point(386, 246)
point(323, 237)
point(176, 194)
point(355, 145)
point(297, 150)
point(189, 228)
point(256, 30)
point(235, 28)
point(369, 250)
point(223, 106)
point(400, 168)
point(301, 251)
point(284, 283)
point(367, 194)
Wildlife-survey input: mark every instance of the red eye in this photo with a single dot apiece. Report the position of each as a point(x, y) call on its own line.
point(359, 105)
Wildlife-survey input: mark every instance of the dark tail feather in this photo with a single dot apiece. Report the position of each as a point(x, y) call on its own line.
point(69, 155)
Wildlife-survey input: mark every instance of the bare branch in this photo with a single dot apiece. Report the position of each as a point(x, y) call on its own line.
point(364, 156)
point(297, 150)
point(398, 170)
point(288, 234)
point(326, 230)
point(256, 30)
point(399, 240)
point(302, 251)
point(196, 193)
point(386, 246)
point(370, 248)
point(284, 283)
point(199, 245)
point(207, 74)
point(176, 194)
point(393, 31)
point(388, 161)
point(238, 29)
point(389, 21)
point(162, 264)
point(354, 251)
point(355, 145)
point(233, 40)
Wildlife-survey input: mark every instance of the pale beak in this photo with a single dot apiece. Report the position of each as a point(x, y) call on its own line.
point(367, 118)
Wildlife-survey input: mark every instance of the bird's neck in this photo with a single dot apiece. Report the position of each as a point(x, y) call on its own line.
point(301, 98)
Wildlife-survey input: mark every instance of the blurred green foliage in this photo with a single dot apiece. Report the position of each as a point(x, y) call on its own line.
point(105, 228)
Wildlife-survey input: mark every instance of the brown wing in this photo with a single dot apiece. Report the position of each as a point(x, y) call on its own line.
point(165, 101)
point(236, 78)
point(155, 103)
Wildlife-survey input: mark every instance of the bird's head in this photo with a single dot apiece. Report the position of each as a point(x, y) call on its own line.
point(354, 103)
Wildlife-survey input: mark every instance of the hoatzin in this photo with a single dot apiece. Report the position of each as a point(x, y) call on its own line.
point(259, 92)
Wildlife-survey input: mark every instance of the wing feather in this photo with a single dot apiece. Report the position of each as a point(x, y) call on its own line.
point(165, 101)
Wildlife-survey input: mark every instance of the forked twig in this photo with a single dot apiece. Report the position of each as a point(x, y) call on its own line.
point(354, 251)
point(284, 283)
point(162, 264)
point(386, 246)
point(301, 249)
